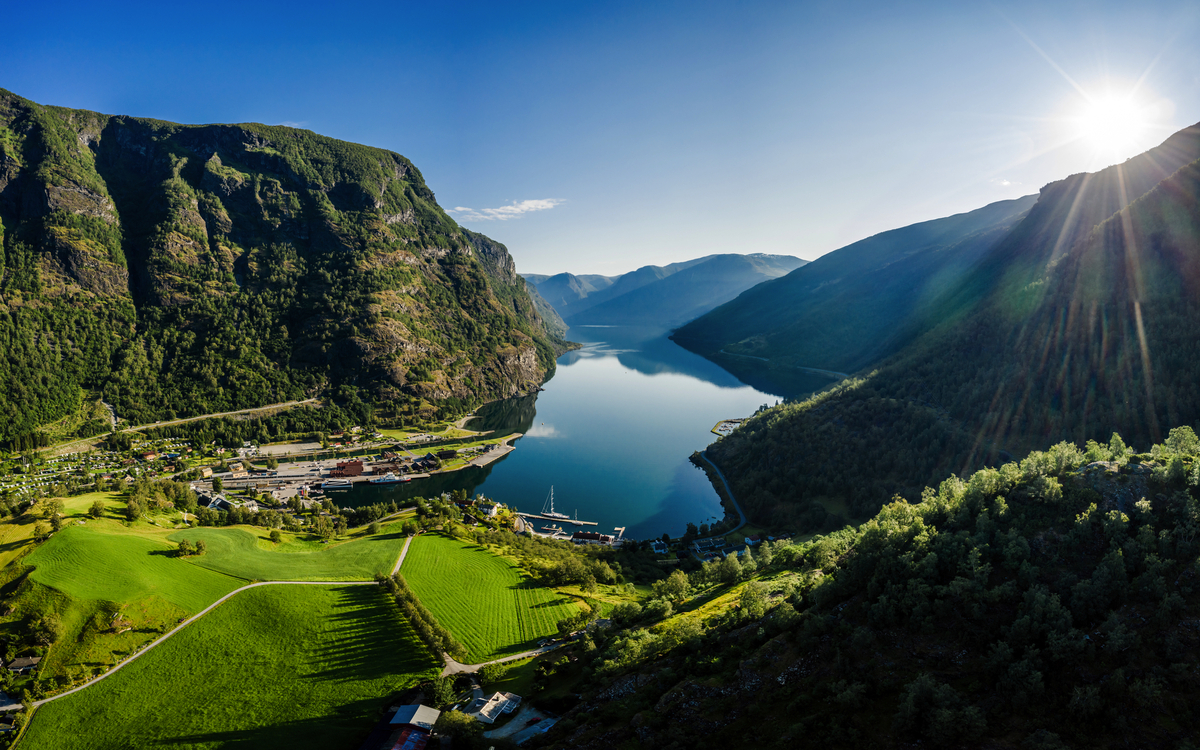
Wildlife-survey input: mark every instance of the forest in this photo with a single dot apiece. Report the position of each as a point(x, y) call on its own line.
point(1046, 603)
point(1031, 349)
point(177, 270)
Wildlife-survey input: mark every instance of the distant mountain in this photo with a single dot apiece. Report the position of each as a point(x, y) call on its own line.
point(659, 296)
point(568, 293)
point(674, 299)
point(854, 305)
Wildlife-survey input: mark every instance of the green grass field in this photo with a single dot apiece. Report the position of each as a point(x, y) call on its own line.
point(88, 563)
point(288, 666)
point(240, 553)
point(484, 600)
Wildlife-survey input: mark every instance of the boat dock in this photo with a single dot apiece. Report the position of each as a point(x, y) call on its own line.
point(558, 520)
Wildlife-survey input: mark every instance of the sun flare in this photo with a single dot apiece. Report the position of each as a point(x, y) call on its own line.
point(1111, 123)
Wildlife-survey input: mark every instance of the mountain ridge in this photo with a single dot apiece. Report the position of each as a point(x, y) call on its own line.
point(179, 269)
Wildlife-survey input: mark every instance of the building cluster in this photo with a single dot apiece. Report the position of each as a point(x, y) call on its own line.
point(347, 469)
point(488, 708)
point(592, 537)
point(412, 728)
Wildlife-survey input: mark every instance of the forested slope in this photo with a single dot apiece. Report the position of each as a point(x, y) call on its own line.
point(855, 305)
point(1046, 341)
point(1047, 604)
point(184, 269)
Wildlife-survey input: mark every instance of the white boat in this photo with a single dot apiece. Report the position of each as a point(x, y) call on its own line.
point(336, 484)
point(550, 503)
point(389, 478)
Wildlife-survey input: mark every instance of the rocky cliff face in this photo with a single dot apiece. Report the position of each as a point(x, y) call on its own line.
point(223, 266)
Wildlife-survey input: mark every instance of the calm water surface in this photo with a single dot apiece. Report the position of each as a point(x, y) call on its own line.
point(612, 432)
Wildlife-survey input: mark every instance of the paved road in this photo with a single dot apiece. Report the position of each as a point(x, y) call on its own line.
point(285, 405)
point(217, 603)
point(736, 505)
point(192, 619)
point(403, 552)
point(453, 667)
point(91, 442)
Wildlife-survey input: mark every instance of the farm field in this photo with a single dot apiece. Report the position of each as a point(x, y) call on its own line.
point(89, 563)
point(484, 600)
point(285, 666)
point(238, 552)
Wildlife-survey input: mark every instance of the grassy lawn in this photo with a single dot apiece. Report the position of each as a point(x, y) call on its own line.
point(484, 600)
point(274, 667)
point(245, 554)
point(87, 563)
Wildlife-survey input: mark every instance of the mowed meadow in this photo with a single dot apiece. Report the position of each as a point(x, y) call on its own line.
point(249, 554)
point(279, 666)
point(487, 602)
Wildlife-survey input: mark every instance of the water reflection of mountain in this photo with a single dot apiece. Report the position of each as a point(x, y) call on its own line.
point(507, 416)
point(368, 494)
point(650, 352)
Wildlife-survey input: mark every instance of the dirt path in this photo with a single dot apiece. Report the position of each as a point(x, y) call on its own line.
point(403, 552)
point(189, 621)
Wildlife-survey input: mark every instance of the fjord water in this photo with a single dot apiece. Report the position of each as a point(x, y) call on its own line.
point(612, 432)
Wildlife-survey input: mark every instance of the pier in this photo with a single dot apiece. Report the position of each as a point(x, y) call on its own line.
point(558, 520)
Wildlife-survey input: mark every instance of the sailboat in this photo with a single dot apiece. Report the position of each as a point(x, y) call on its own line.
point(550, 504)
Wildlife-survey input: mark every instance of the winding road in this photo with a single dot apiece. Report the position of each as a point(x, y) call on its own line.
point(189, 621)
point(452, 667)
point(214, 605)
point(736, 505)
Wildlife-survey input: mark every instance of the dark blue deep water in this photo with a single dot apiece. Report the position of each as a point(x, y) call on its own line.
point(612, 432)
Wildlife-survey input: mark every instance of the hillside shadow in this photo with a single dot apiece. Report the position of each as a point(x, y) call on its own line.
point(371, 639)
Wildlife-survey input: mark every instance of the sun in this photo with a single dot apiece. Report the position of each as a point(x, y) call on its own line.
point(1112, 123)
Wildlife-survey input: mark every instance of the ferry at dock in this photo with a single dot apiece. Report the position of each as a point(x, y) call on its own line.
point(389, 478)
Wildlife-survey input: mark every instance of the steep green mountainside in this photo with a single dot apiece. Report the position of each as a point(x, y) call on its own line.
point(551, 320)
point(855, 305)
point(1039, 345)
point(690, 291)
point(182, 269)
point(1049, 604)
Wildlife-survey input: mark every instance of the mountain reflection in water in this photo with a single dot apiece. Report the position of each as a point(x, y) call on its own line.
point(612, 433)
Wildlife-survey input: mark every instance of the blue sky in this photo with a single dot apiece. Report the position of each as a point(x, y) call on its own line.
point(596, 138)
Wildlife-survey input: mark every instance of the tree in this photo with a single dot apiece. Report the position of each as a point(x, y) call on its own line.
point(442, 693)
point(201, 546)
point(272, 463)
point(56, 523)
point(674, 587)
point(491, 673)
point(729, 570)
point(753, 600)
point(40, 531)
point(97, 509)
point(276, 537)
point(323, 527)
point(52, 508)
point(217, 484)
point(133, 510)
point(185, 548)
point(458, 725)
point(373, 528)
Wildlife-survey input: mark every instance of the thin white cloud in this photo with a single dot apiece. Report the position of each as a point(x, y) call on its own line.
point(290, 124)
point(504, 213)
point(1003, 182)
